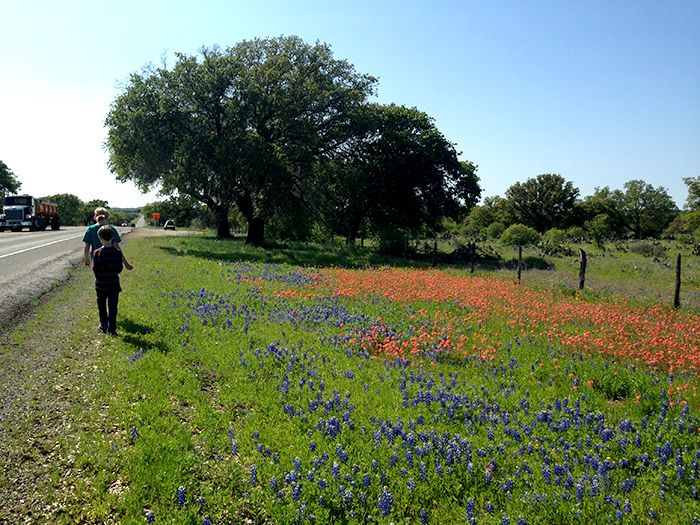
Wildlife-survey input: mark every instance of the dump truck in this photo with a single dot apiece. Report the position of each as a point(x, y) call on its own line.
point(25, 211)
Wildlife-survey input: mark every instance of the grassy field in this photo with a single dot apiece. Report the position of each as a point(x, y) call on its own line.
point(280, 386)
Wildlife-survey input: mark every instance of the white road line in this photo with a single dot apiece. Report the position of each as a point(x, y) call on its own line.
point(41, 246)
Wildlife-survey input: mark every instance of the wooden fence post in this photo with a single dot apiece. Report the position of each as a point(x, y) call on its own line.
point(520, 262)
point(582, 271)
point(677, 295)
point(473, 253)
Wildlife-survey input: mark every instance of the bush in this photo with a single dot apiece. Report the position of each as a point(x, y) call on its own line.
point(555, 236)
point(394, 242)
point(519, 235)
point(648, 248)
point(576, 234)
point(495, 230)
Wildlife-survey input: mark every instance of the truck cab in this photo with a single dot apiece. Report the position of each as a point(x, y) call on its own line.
point(25, 211)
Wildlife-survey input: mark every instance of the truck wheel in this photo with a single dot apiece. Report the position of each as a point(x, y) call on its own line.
point(55, 225)
point(2, 230)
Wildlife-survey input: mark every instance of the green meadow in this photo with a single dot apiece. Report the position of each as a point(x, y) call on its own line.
point(241, 389)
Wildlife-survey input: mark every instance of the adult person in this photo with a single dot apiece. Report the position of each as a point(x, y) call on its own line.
point(92, 241)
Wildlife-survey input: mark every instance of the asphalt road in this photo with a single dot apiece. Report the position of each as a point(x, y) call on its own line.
point(32, 263)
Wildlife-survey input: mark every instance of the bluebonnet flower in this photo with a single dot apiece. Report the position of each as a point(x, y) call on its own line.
point(628, 485)
point(521, 521)
point(234, 443)
point(424, 517)
point(411, 484)
point(296, 491)
point(335, 470)
point(254, 475)
point(206, 521)
point(470, 508)
point(340, 452)
point(137, 355)
point(134, 433)
point(180, 496)
point(150, 517)
point(386, 500)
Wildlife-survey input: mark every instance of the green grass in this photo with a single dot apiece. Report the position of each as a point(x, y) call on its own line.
point(166, 397)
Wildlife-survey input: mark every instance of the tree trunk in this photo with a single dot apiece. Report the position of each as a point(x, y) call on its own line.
point(256, 231)
point(256, 224)
point(223, 229)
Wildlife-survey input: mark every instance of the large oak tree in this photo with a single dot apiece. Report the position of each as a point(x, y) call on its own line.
point(243, 126)
point(397, 173)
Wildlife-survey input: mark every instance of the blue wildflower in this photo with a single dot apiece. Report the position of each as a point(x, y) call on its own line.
point(386, 500)
point(180, 496)
point(254, 475)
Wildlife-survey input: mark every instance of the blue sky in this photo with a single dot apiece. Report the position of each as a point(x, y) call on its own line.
point(600, 92)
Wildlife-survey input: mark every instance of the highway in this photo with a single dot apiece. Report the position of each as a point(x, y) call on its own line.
point(31, 263)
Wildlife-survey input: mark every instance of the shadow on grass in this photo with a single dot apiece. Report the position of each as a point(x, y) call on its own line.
point(132, 327)
point(303, 254)
point(144, 344)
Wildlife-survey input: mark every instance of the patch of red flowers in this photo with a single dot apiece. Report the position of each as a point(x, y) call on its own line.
point(657, 336)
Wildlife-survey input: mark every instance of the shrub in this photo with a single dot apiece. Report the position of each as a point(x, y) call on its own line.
point(519, 235)
point(648, 248)
point(495, 230)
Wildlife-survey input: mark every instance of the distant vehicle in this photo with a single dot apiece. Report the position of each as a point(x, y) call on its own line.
point(133, 225)
point(169, 225)
point(124, 224)
point(24, 211)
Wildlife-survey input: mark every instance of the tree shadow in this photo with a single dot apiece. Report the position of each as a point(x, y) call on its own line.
point(301, 254)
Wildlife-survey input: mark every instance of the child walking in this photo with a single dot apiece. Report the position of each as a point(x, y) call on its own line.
point(107, 265)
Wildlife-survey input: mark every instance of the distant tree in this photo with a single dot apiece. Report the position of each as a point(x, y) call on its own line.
point(693, 201)
point(544, 202)
point(182, 209)
point(70, 207)
point(244, 126)
point(479, 218)
point(640, 210)
point(8, 182)
point(89, 208)
point(400, 173)
point(599, 229)
point(520, 235)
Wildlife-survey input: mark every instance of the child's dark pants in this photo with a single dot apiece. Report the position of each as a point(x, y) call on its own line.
point(107, 303)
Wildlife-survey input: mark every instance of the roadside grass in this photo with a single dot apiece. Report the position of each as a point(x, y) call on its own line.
point(252, 385)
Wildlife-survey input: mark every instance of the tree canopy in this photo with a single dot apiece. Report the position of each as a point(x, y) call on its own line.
point(9, 183)
point(397, 172)
point(693, 201)
point(639, 209)
point(243, 126)
point(544, 202)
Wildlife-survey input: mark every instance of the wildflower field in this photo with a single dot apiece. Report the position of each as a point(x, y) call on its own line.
point(257, 392)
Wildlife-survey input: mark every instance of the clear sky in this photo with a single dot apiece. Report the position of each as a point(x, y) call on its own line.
point(599, 91)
